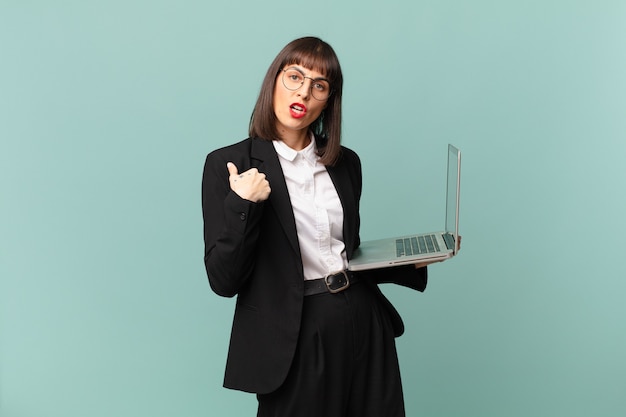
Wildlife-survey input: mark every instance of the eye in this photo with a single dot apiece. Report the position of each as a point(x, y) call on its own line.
point(295, 76)
point(320, 86)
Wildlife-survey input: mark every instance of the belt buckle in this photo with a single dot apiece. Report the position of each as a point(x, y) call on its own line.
point(343, 282)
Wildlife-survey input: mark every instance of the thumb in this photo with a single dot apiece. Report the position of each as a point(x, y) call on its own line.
point(232, 168)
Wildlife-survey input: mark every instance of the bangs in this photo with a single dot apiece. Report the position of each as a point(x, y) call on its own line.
point(318, 58)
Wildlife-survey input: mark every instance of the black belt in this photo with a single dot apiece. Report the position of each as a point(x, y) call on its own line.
point(332, 283)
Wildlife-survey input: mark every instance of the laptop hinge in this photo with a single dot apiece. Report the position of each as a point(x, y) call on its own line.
point(449, 239)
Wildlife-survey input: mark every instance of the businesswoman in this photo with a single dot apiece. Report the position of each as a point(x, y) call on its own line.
point(281, 221)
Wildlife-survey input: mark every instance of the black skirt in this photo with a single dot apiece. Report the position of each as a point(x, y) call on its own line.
point(345, 364)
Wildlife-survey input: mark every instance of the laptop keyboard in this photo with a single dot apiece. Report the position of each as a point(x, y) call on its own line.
point(416, 245)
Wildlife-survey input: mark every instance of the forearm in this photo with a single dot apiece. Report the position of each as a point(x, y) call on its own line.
point(406, 275)
point(231, 229)
point(230, 255)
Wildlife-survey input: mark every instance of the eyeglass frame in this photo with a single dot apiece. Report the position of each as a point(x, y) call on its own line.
point(282, 80)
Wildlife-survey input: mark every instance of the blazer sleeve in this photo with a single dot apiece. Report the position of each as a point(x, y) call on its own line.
point(405, 275)
point(231, 228)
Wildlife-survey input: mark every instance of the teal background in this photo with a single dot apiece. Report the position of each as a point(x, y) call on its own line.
point(107, 110)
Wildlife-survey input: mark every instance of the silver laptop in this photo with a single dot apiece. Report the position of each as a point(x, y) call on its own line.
point(411, 249)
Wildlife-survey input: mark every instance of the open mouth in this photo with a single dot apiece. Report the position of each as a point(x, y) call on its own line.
point(297, 110)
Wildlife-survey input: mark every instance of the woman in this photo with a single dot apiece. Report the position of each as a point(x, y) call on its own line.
point(281, 221)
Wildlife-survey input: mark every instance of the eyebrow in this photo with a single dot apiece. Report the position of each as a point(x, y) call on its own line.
point(295, 67)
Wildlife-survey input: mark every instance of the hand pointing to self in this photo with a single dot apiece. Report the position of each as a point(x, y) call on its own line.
point(250, 185)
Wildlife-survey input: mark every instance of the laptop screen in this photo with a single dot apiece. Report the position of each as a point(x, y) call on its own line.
point(452, 190)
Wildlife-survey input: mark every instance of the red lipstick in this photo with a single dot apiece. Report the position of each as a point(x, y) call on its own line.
point(297, 110)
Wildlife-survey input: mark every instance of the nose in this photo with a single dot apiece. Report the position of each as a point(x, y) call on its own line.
point(305, 90)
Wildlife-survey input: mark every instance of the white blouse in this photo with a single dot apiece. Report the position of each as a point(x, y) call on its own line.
point(316, 208)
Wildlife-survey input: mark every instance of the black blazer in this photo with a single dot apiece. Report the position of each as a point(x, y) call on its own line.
point(252, 251)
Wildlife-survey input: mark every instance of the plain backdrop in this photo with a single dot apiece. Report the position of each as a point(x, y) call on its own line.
point(108, 109)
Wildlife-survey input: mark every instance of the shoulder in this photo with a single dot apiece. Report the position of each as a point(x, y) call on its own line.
point(216, 160)
point(234, 149)
point(349, 159)
point(239, 153)
point(349, 155)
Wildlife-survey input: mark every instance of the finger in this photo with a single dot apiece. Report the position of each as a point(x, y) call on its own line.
point(232, 168)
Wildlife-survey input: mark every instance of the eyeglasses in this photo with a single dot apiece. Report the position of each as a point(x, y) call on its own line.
point(293, 79)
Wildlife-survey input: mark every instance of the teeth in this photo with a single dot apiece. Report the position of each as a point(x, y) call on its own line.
point(298, 108)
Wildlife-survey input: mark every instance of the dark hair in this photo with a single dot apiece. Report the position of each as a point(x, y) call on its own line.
point(315, 54)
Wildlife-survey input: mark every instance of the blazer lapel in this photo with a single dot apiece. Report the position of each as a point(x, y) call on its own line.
point(264, 152)
point(343, 184)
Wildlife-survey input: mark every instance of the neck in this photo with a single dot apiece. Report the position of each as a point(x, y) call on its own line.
point(297, 141)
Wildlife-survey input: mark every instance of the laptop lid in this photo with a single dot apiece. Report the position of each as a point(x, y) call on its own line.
point(392, 251)
point(453, 191)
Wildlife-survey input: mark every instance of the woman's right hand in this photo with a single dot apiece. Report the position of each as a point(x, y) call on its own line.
point(250, 185)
